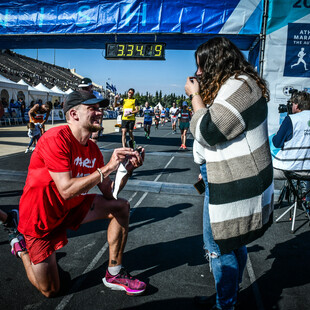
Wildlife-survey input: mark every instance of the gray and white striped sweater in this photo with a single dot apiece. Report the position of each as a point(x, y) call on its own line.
point(232, 138)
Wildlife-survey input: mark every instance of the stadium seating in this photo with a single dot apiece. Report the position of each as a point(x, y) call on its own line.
point(15, 67)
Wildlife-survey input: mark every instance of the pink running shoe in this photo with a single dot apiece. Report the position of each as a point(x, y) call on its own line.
point(18, 244)
point(123, 281)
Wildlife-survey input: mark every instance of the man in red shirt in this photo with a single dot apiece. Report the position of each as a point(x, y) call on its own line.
point(65, 165)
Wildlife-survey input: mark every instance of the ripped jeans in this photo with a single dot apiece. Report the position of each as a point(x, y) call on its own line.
point(228, 268)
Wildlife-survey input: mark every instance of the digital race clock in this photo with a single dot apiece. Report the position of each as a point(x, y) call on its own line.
point(148, 51)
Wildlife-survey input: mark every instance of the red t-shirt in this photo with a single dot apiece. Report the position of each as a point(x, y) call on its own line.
point(41, 208)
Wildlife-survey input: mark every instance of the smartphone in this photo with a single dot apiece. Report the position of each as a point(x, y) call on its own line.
point(200, 186)
point(192, 78)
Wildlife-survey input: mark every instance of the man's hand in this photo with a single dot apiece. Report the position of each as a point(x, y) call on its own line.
point(120, 155)
point(135, 161)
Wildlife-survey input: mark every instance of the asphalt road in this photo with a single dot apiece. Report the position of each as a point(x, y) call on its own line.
point(164, 246)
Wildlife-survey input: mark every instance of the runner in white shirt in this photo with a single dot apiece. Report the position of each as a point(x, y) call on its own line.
point(174, 111)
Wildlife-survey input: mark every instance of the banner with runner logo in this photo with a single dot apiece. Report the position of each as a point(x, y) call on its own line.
point(297, 59)
point(287, 54)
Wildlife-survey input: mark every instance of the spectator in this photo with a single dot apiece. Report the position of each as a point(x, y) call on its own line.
point(14, 108)
point(31, 105)
point(231, 145)
point(34, 133)
point(22, 105)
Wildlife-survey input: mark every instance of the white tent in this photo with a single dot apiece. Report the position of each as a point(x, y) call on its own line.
point(68, 91)
point(159, 106)
point(10, 89)
point(49, 91)
point(34, 94)
point(57, 90)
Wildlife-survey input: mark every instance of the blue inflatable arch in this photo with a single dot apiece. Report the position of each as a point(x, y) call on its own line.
point(181, 24)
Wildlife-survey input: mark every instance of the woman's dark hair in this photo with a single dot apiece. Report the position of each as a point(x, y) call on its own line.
point(219, 59)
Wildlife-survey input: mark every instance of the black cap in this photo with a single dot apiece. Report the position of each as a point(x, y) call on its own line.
point(86, 82)
point(81, 97)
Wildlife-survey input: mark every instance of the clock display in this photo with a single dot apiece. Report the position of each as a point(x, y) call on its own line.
point(148, 51)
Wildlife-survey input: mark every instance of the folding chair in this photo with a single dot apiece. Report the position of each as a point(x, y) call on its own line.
point(7, 118)
point(297, 186)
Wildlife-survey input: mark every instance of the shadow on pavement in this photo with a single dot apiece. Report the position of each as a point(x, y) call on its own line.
point(163, 256)
point(290, 269)
point(171, 304)
point(176, 253)
point(148, 215)
point(139, 173)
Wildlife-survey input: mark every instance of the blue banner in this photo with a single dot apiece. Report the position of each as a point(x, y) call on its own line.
point(130, 16)
point(297, 59)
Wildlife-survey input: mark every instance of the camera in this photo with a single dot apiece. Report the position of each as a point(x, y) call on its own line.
point(287, 108)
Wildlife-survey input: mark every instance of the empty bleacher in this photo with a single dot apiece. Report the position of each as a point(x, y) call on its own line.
point(15, 67)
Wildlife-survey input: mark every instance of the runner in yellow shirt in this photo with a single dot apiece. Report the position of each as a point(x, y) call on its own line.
point(130, 109)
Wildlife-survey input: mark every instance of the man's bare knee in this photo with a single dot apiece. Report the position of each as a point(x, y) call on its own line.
point(50, 293)
point(124, 208)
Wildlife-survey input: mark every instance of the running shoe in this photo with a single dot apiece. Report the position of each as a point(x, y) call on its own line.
point(148, 137)
point(27, 150)
point(184, 147)
point(12, 221)
point(181, 147)
point(123, 281)
point(17, 243)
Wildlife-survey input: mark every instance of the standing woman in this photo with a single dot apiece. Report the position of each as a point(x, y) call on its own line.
point(231, 145)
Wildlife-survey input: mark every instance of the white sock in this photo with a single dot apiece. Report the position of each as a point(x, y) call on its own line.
point(114, 270)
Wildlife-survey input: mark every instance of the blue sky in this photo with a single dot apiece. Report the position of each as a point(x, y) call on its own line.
point(142, 75)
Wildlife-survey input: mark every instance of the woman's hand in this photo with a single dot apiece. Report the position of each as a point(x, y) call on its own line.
point(191, 86)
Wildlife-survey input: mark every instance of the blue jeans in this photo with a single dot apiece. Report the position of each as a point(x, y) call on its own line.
point(228, 268)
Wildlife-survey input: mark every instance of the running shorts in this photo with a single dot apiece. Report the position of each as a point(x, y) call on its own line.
point(174, 120)
point(128, 124)
point(41, 248)
point(184, 125)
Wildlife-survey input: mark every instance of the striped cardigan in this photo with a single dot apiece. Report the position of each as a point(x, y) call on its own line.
point(231, 136)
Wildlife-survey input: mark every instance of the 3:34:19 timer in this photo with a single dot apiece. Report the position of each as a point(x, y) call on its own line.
point(153, 51)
